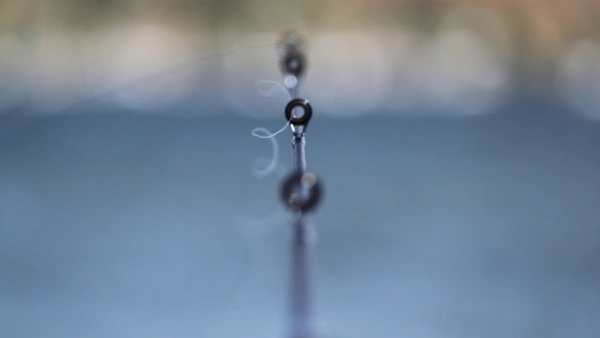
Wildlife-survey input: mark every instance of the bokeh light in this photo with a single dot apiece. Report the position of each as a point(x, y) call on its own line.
point(347, 72)
point(153, 47)
point(578, 78)
point(13, 90)
point(457, 59)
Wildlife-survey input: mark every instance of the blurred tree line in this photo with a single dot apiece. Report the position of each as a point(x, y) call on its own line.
point(539, 30)
point(559, 19)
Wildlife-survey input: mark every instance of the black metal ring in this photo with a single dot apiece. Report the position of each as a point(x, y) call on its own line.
point(287, 61)
point(302, 120)
point(289, 186)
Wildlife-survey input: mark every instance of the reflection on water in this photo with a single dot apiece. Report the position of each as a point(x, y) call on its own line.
point(128, 226)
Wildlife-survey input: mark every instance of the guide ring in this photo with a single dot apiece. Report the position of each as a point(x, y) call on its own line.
point(302, 120)
point(296, 180)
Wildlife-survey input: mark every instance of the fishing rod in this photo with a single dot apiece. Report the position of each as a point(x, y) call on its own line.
point(301, 191)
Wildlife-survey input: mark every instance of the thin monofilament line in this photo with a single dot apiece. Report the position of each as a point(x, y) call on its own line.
point(266, 134)
point(274, 160)
point(89, 100)
point(156, 75)
point(272, 84)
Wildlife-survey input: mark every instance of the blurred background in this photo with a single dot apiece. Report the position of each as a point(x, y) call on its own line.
point(458, 143)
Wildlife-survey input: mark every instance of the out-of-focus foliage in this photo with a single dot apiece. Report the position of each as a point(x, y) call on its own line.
point(545, 24)
point(70, 45)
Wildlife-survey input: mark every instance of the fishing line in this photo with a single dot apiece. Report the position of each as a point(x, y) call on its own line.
point(263, 133)
point(181, 67)
point(140, 81)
